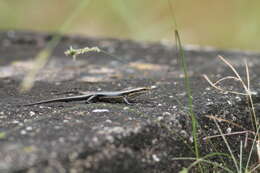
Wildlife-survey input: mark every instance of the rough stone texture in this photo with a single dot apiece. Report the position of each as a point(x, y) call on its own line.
point(143, 137)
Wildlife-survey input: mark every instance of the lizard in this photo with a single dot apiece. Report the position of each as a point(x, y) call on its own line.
point(99, 96)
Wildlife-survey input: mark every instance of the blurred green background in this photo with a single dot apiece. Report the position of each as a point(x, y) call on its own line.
point(227, 24)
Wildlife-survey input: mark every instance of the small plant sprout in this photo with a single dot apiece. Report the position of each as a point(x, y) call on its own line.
point(75, 52)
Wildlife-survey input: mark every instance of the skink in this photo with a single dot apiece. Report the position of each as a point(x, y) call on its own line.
point(100, 96)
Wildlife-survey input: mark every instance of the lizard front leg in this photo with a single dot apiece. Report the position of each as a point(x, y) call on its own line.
point(91, 98)
point(126, 101)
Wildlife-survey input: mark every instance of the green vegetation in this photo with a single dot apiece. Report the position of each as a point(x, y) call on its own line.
point(223, 24)
point(240, 167)
point(75, 52)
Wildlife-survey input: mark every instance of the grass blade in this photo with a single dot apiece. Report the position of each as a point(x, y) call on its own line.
point(229, 149)
point(188, 90)
point(43, 56)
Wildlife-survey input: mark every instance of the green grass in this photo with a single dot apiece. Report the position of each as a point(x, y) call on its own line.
point(189, 93)
point(237, 162)
point(202, 23)
point(201, 161)
point(184, 67)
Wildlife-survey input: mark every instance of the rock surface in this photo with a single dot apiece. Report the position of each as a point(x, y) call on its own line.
point(146, 136)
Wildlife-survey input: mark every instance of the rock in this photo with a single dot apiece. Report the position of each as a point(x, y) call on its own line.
point(148, 136)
